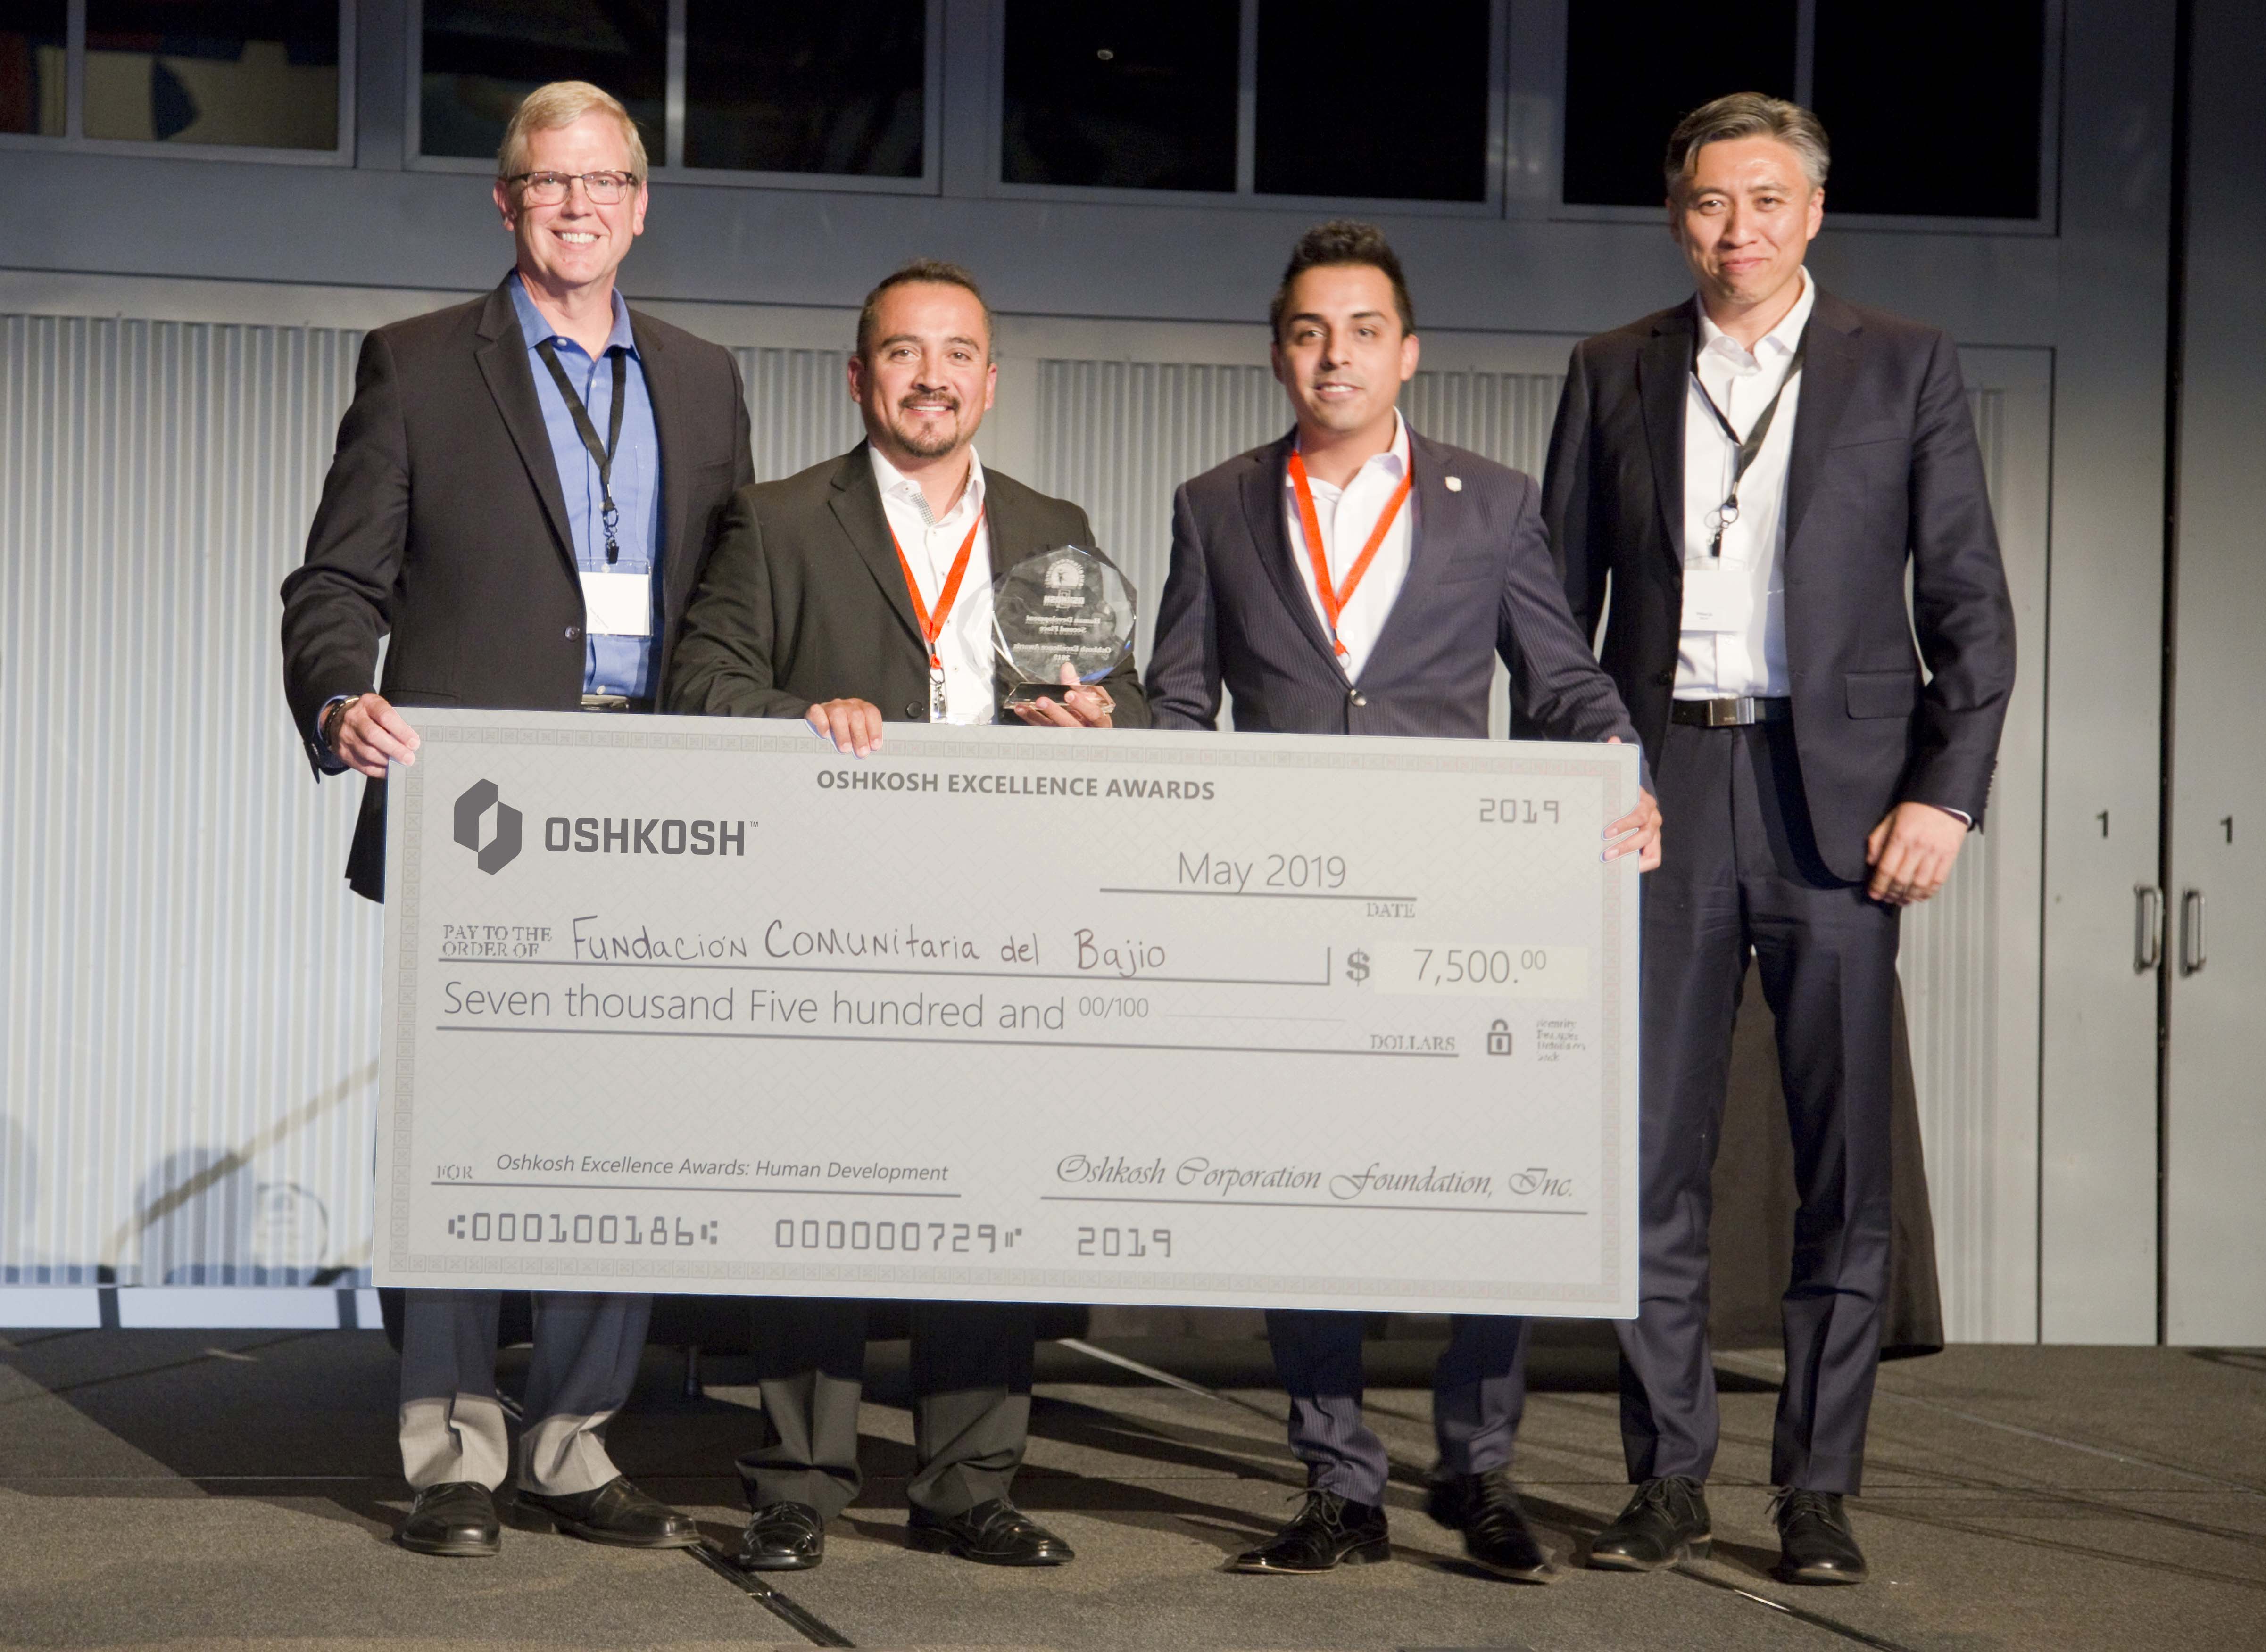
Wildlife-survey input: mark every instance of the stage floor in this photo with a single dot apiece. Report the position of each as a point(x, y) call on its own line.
point(186, 1488)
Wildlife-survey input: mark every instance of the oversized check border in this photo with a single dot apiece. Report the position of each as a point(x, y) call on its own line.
point(1614, 768)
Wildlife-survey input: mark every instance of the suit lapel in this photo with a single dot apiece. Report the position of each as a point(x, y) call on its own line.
point(1432, 537)
point(661, 389)
point(1264, 511)
point(502, 356)
point(856, 503)
point(1828, 373)
point(1663, 370)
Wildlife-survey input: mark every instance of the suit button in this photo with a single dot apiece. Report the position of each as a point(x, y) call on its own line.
point(1358, 697)
point(1665, 679)
point(912, 708)
point(573, 631)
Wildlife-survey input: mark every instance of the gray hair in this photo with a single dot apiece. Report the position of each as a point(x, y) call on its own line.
point(1747, 114)
point(561, 104)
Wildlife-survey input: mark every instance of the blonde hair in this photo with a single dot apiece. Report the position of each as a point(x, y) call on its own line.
point(561, 104)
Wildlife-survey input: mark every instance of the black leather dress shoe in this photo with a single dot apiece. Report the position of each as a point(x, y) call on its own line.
point(782, 1537)
point(1815, 1543)
point(1485, 1509)
point(1664, 1523)
point(616, 1512)
point(997, 1534)
point(1329, 1531)
point(456, 1517)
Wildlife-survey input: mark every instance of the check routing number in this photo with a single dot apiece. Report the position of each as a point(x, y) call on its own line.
point(702, 1005)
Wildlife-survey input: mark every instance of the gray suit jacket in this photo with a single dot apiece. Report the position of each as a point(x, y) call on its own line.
point(1480, 584)
point(802, 599)
point(1884, 472)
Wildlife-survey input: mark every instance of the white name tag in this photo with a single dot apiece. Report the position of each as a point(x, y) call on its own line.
point(619, 604)
point(1717, 599)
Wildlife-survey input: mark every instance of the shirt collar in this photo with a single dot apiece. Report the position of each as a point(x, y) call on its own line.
point(535, 328)
point(894, 483)
point(1784, 339)
point(1394, 460)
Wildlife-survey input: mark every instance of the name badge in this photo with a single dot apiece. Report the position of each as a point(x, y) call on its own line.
point(1717, 599)
point(618, 604)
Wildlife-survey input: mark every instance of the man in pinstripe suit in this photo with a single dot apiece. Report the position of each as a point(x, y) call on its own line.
point(1353, 577)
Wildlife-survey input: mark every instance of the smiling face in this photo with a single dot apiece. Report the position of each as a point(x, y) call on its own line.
point(1745, 218)
point(1341, 353)
point(926, 380)
point(575, 246)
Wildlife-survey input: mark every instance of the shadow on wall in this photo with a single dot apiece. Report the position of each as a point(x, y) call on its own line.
point(204, 1219)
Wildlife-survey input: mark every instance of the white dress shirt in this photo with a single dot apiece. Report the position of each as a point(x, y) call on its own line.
point(1734, 634)
point(1346, 515)
point(930, 544)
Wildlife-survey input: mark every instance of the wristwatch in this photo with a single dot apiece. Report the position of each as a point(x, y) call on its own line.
point(331, 720)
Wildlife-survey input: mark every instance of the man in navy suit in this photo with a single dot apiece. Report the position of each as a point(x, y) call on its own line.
point(1353, 577)
point(1756, 473)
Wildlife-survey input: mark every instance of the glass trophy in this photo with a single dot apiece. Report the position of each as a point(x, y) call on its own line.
point(1069, 605)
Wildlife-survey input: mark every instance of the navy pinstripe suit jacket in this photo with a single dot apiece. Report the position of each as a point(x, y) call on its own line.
point(1481, 582)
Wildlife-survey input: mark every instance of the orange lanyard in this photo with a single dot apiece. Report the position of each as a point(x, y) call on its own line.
point(1333, 601)
point(932, 626)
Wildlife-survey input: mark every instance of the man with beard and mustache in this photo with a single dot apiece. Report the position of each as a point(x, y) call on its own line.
point(856, 594)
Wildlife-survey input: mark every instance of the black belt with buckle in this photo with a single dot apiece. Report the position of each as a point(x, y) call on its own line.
point(614, 703)
point(1735, 713)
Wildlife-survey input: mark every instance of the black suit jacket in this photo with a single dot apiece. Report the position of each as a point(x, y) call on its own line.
point(803, 600)
point(442, 525)
point(1479, 584)
point(1884, 468)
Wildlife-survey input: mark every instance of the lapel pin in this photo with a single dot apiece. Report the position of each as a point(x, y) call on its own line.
point(1455, 485)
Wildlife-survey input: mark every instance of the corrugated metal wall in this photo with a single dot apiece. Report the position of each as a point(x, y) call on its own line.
point(188, 994)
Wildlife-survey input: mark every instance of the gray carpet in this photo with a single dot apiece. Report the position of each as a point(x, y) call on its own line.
point(192, 1488)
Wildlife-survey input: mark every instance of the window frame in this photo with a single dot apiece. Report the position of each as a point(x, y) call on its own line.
point(667, 166)
point(1245, 196)
point(73, 139)
point(1542, 22)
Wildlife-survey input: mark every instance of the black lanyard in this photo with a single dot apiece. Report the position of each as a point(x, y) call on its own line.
point(603, 456)
point(1750, 449)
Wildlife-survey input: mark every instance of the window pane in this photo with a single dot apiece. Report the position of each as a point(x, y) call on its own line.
point(1636, 67)
point(1358, 100)
point(32, 67)
point(197, 71)
point(1895, 150)
point(482, 56)
point(805, 88)
point(1121, 97)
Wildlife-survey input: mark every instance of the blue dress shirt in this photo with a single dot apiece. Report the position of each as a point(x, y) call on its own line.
point(612, 665)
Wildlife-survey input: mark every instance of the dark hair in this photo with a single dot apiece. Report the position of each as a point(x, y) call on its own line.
point(1334, 245)
point(1747, 114)
point(935, 270)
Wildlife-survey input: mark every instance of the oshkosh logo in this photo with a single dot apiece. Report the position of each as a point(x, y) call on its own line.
point(472, 811)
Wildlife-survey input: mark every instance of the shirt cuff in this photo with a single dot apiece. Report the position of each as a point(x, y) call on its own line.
point(1960, 815)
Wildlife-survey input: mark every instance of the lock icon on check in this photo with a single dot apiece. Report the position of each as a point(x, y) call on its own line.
point(1499, 1039)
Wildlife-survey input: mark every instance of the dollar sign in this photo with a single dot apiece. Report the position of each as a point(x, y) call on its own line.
point(1356, 966)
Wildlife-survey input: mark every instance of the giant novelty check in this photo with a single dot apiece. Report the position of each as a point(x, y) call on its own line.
point(701, 1005)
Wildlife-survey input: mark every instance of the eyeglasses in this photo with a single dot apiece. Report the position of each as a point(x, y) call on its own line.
point(548, 189)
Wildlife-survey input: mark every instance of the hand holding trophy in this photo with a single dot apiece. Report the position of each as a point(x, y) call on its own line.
point(1062, 620)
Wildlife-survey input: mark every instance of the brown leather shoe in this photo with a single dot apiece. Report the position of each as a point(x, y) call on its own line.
point(456, 1517)
point(616, 1512)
